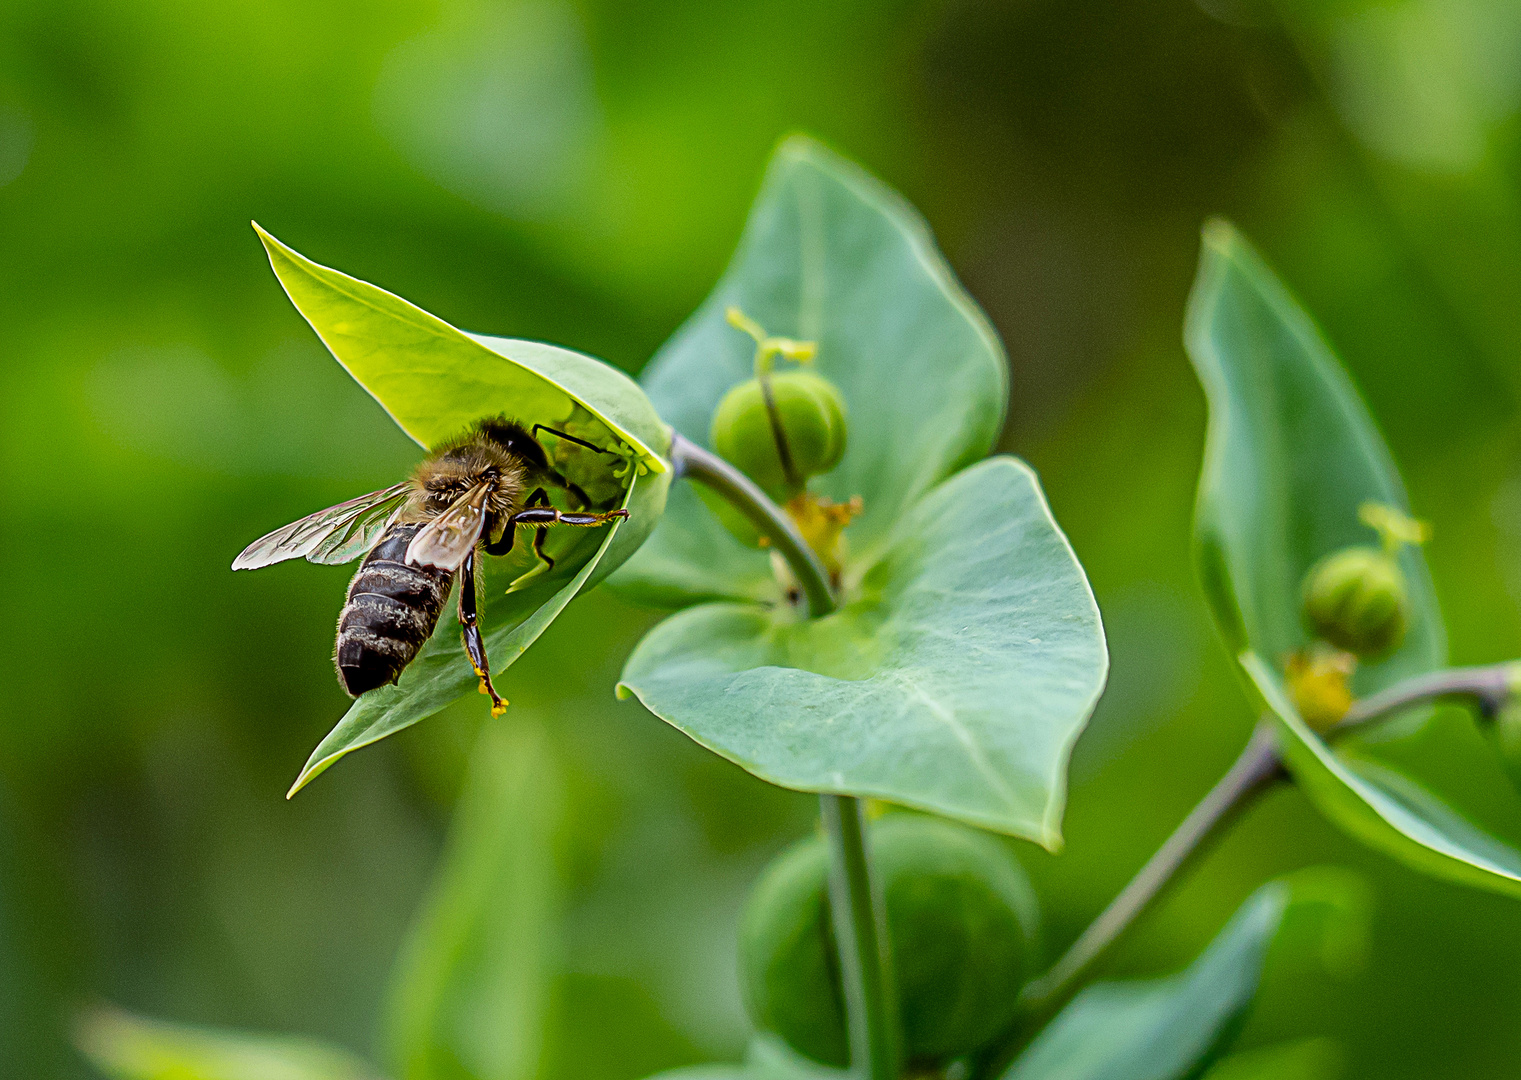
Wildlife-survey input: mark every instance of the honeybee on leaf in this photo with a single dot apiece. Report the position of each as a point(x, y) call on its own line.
point(468, 494)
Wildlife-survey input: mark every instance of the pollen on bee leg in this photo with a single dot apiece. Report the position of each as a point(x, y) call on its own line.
point(498, 705)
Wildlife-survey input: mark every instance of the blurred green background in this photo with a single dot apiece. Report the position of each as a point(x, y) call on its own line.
point(577, 171)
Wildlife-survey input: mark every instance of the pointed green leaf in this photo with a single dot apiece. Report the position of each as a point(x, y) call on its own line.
point(441, 673)
point(471, 988)
point(127, 1047)
point(1381, 807)
point(830, 255)
point(1171, 1028)
point(955, 680)
point(435, 381)
point(1290, 455)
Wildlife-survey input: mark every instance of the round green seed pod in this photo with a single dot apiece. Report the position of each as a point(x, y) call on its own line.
point(811, 412)
point(961, 919)
point(1357, 600)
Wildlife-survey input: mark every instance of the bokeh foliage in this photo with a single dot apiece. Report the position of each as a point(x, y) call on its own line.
point(578, 173)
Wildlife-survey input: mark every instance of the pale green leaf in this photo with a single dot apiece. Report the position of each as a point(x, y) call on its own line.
point(830, 255)
point(1173, 1028)
point(436, 381)
point(955, 679)
point(126, 1047)
point(1381, 807)
point(470, 991)
point(1290, 455)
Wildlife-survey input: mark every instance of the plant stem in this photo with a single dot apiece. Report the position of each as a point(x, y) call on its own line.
point(689, 459)
point(858, 916)
point(1489, 687)
point(860, 932)
point(1257, 769)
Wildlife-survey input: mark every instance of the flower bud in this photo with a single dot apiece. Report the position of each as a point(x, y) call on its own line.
point(960, 919)
point(1356, 599)
point(800, 433)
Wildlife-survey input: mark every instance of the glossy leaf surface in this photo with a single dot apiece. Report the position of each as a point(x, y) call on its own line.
point(1381, 807)
point(126, 1047)
point(956, 680)
point(1170, 1028)
point(435, 381)
point(470, 991)
point(1290, 455)
point(830, 255)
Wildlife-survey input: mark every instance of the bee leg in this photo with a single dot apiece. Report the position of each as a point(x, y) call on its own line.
point(502, 546)
point(470, 630)
point(573, 489)
point(539, 536)
point(545, 516)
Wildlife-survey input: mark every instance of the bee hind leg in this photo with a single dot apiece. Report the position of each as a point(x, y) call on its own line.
point(470, 631)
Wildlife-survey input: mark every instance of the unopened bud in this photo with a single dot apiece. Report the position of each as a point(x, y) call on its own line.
point(1357, 599)
point(779, 444)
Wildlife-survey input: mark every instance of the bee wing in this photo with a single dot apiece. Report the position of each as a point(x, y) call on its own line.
point(338, 534)
point(448, 538)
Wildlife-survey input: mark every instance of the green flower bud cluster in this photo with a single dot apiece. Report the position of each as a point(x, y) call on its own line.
point(1357, 598)
point(961, 924)
point(780, 428)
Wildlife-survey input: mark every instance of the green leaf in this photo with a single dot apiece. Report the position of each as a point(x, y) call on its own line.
point(1290, 455)
point(441, 673)
point(127, 1047)
point(435, 381)
point(955, 679)
point(1170, 1028)
point(830, 255)
point(470, 990)
point(1381, 807)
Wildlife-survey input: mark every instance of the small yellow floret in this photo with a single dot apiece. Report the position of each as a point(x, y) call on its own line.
point(1320, 682)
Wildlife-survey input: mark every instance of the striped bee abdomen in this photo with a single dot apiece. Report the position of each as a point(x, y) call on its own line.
point(391, 610)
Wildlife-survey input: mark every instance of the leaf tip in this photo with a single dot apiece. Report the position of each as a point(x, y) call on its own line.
point(309, 772)
point(623, 691)
point(1219, 233)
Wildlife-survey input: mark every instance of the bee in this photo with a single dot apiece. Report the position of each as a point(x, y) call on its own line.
point(416, 535)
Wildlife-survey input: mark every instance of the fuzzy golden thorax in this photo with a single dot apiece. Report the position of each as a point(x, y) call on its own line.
point(453, 470)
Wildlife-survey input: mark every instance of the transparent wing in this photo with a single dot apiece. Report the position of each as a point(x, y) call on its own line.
point(448, 538)
point(338, 534)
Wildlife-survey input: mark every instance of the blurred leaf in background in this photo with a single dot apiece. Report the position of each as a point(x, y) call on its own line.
point(578, 173)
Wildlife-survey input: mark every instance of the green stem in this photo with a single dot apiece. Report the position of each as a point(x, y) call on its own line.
point(859, 930)
point(1488, 687)
point(689, 459)
point(859, 922)
point(1256, 770)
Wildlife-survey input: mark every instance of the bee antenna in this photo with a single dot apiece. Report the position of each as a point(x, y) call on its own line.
point(579, 442)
